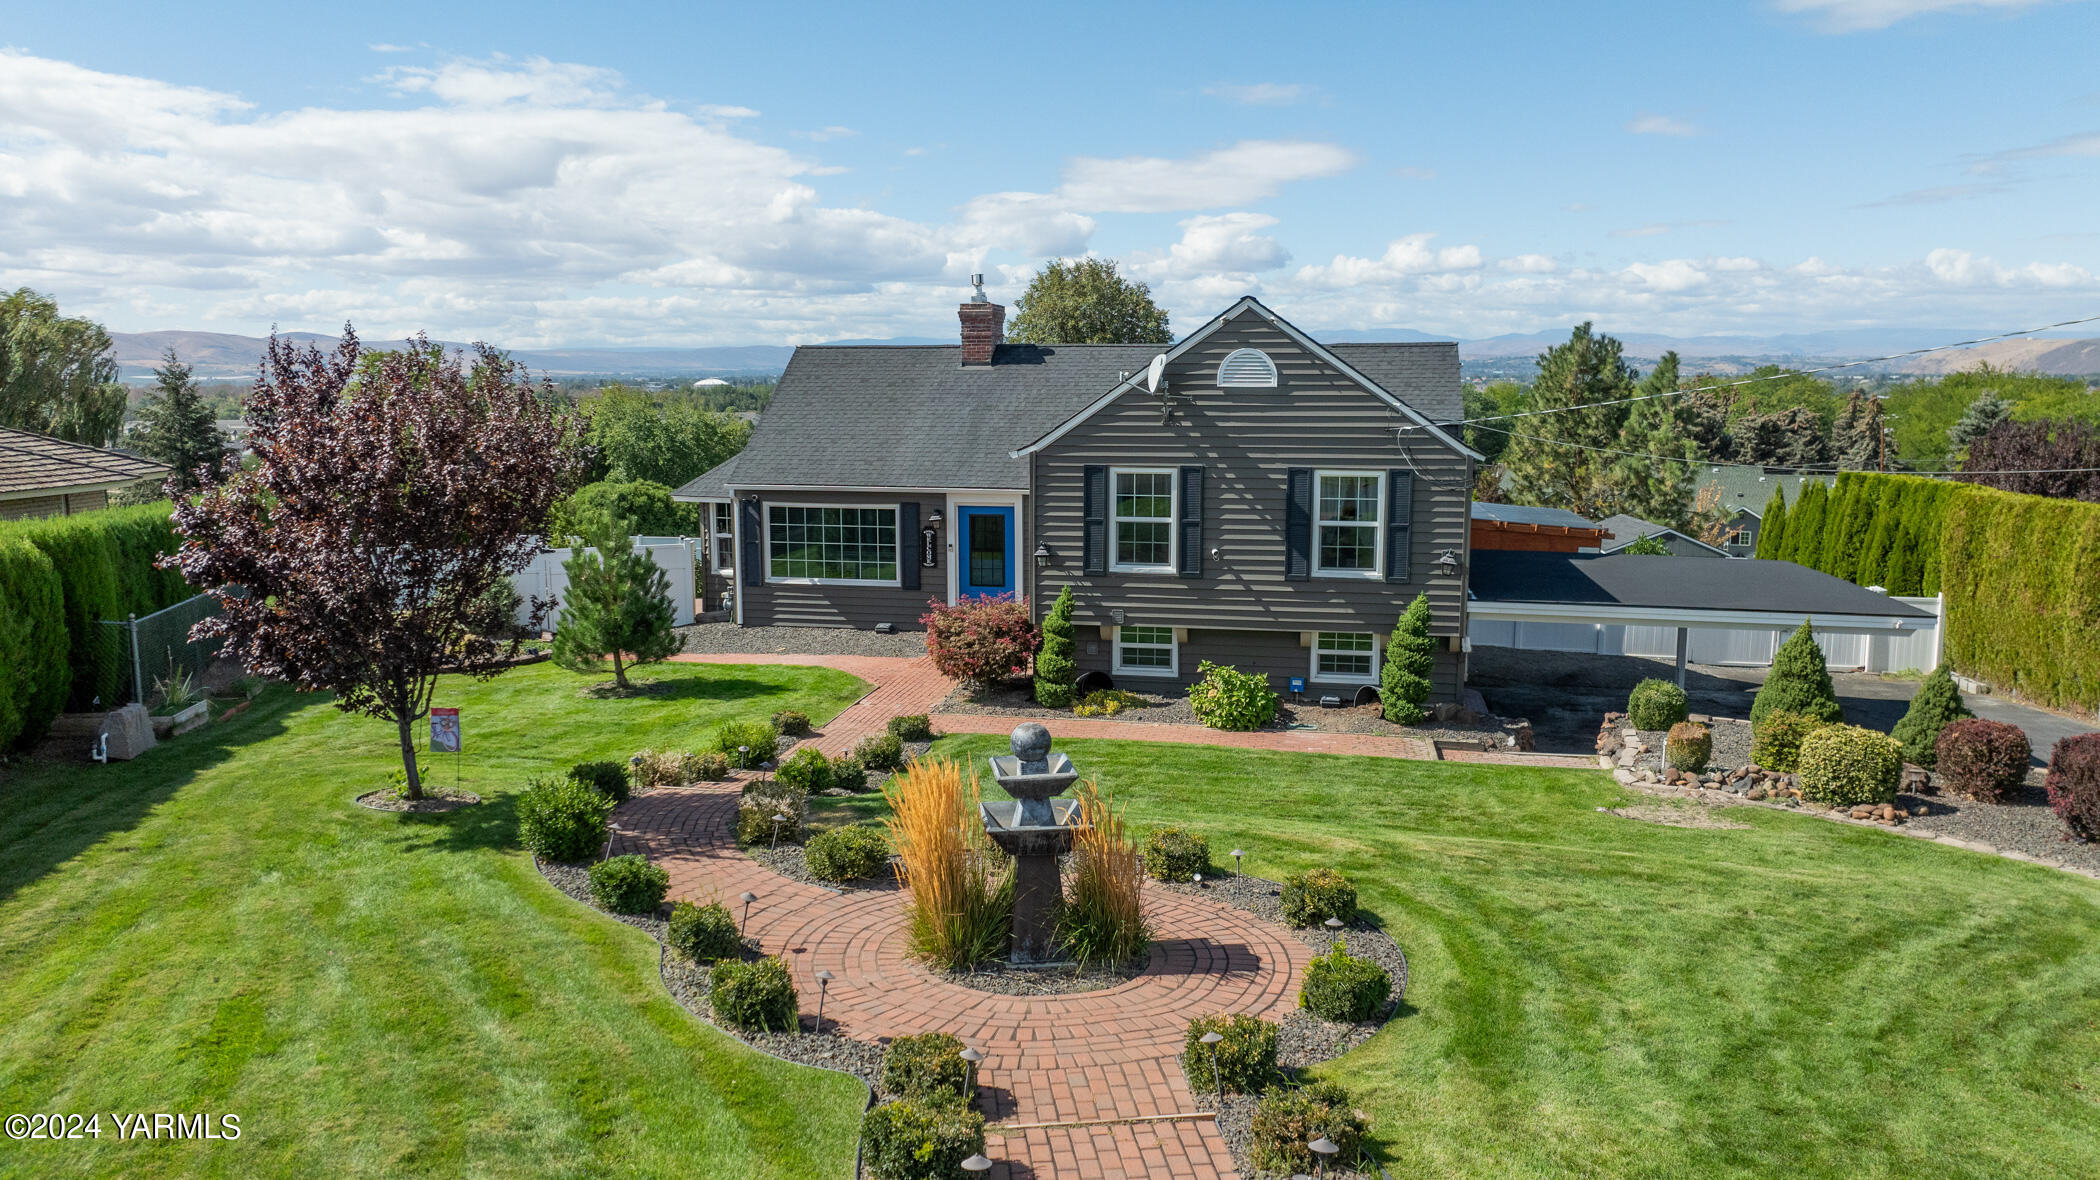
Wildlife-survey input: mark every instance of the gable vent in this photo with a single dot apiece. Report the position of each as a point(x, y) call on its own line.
point(1247, 368)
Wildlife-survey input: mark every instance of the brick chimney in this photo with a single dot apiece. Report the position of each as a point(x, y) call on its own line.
point(983, 325)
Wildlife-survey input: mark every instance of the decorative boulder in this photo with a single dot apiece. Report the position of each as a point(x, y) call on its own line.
point(130, 731)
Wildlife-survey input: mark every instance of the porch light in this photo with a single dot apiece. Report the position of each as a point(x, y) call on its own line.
point(935, 519)
point(1447, 562)
point(1042, 557)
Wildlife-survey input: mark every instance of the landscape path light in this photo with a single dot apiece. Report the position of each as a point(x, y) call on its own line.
point(1199, 880)
point(747, 897)
point(1334, 927)
point(977, 1163)
point(779, 818)
point(1212, 1038)
point(1235, 862)
point(971, 1057)
point(824, 979)
point(1323, 1147)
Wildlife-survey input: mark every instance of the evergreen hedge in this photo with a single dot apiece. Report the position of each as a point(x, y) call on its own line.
point(34, 675)
point(2022, 585)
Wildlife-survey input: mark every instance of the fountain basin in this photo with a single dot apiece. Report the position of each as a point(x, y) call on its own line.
point(1010, 827)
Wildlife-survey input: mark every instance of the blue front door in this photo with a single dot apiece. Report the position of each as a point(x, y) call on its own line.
point(984, 552)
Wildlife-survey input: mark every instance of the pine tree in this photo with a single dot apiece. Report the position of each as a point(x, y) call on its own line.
point(1986, 410)
point(618, 604)
point(176, 427)
point(1560, 459)
point(1410, 656)
point(1656, 488)
point(1804, 529)
point(1799, 682)
point(1771, 531)
point(1937, 704)
point(1055, 666)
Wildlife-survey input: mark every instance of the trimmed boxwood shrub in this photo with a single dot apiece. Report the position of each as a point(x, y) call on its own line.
point(1799, 682)
point(629, 884)
point(34, 674)
point(1982, 760)
point(1937, 705)
point(806, 770)
point(704, 933)
point(1227, 698)
point(1340, 986)
point(1689, 746)
point(912, 727)
point(791, 722)
point(928, 1066)
point(560, 819)
point(880, 751)
point(847, 774)
point(1775, 742)
point(1845, 765)
point(2074, 784)
point(915, 1140)
point(758, 996)
point(757, 738)
point(1175, 854)
point(1312, 897)
point(1287, 1120)
point(847, 854)
point(1246, 1057)
point(1656, 704)
point(607, 778)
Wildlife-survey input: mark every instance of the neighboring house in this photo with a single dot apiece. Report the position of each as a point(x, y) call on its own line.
point(1273, 504)
point(45, 476)
point(1625, 530)
point(1548, 530)
point(1740, 493)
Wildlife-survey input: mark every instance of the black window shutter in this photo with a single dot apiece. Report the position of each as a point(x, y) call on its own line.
point(754, 560)
point(1399, 523)
point(1191, 522)
point(1095, 545)
point(1297, 527)
point(908, 545)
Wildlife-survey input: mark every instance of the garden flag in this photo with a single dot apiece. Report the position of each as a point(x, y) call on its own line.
point(444, 731)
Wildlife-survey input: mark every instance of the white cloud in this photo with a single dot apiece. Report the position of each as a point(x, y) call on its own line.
point(1261, 94)
point(1403, 257)
point(719, 111)
point(534, 81)
point(1677, 274)
point(1962, 268)
point(1528, 264)
point(2083, 144)
point(1033, 223)
point(826, 134)
point(1852, 16)
point(1240, 174)
point(1229, 242)
point(1660, 125)
point(383, 47)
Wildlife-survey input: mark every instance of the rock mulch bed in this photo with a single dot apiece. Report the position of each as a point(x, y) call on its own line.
point(1048, 979)
point(727, 638)
point(434, 799)
point(1015, 700)
point(2023, 825)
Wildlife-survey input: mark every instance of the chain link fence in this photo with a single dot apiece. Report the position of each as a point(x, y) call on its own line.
point(153, 649)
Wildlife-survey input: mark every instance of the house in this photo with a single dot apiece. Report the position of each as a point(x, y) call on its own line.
point(45, 476)
point(1248, 495)
point(1740, 493)
point(1547, 530)
point(1625, 530)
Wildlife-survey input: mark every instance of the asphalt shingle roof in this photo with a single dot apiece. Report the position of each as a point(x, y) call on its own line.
point(1673, 583)
point(39, 463)
point(1424, 374)
point(1750, 487)
point(713, 485)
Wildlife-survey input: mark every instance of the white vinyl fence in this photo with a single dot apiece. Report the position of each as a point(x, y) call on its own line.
point(545, 578)
point(1845, 651)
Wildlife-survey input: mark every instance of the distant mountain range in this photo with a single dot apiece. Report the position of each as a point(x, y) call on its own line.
point(220, 356)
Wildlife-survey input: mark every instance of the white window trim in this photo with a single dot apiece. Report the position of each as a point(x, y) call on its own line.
point(1173, 521)
point(1378, 528)
point(716, 535)
point(766, 550)
point(1313, 674)
point(1173, 646)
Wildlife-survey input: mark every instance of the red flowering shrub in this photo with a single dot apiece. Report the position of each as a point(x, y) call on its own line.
point(981, 640)
point(2074, 784)
point(1983, 760)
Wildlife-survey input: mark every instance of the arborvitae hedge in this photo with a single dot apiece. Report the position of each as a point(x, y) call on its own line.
point(1771, 530)
point(33, 671)
point(2022, 585)
point(1872, 529)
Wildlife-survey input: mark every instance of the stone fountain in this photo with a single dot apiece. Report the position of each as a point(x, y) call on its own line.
point(1035, 829)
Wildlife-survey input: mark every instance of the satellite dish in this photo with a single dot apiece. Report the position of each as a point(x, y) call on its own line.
point(1156, 374)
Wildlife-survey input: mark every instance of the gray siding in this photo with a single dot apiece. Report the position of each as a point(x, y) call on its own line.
point(1247, 440)
point(1279, 655)
point(793, 605)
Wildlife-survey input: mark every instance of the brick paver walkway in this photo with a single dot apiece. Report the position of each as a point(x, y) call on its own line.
point(903, 685)
point(1057, 1068)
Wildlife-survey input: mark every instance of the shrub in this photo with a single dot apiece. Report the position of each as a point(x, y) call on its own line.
point(980, 641)
point(847, 854)
point(1055, 666)
point(1775, 742)
point(647, 503)
point(34, 674)
point(1410, 657)
point(607, 778)
point(757, 996)
point(1246, 1057)
point(665, 768)
point(1227, 698)
point(2018, 570)
point(1845, 765)
point(104, 564)
point(962, 896)
point(1982, 760)
point(847, 774)
point(1103, 919)
point(747, 744)
point(1938, 703)
point(629, 884)
point(560, 819)
point(2074, 784)
point(1287, 1120)
point(807, 771)
point(1106, 702)
point(912, 727)
point(1312, 897)
point(1799, 682)
point(914, 1140)
point(1690, 746)
point(1175, 854)
point(704, 933)
point(791, 722)
point(755, 811)
point(712, 766)
point(880, 751)
point(927, 1066)
point(1340, 986)
point(1656, 704)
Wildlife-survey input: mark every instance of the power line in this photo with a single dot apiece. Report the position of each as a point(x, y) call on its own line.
point(1872, 360)
point(1794, 470)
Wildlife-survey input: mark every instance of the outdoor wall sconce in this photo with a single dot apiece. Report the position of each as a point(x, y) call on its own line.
point(1042, 557)
point(935, 519)
point(1447, 562)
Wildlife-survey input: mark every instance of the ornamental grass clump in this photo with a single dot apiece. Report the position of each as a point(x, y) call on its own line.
point(1227, 698)
point(704, 933)
point(1799, 682)
point(912, 1139)
point(927, 1066)
point(847, 854)
point(1245, 1057)
point(1982, 760)
point(1103, 919)
point(1775, 742)
point(1937, 705)
point(757, 996)
point(1312, 897)
point(1656, 704)
point(1287, 1121)
point(962, 892)
point(1340, 986)
point(560, 819)
point(1175, 854)
point(629, 884)
point(2074, 784)
point(1689, 746)
point(1845, 765)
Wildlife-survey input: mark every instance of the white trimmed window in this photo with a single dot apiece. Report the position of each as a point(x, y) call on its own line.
point(1345, 655)
point(1247, 368)
point(1350, 523)
point(1146, 651)
point(821, 544)
point(723, 531)
point(1142, 508)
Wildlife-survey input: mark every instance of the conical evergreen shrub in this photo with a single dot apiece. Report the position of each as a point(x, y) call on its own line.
point(1799, 682)
point(1055, 667)
point(1410, 655)
point(1937, 705)
point(1771, 529)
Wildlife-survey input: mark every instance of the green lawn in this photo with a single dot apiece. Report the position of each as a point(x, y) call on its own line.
point(216, 929)
point(1596, 996)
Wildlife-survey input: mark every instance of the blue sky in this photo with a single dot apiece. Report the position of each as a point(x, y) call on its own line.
point(719, 174)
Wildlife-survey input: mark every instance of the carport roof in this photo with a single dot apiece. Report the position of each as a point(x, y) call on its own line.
point(1686, 591)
